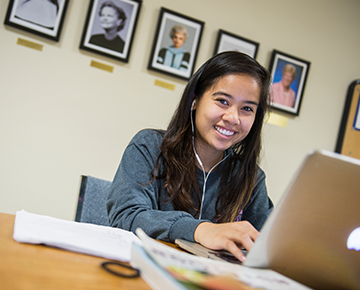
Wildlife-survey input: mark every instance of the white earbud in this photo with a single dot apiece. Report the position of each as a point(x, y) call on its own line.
point(191, 117)
point(193, 104)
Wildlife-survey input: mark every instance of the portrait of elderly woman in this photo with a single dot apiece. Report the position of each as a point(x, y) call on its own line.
point(175, 55)
point(112, 20)
point(281, 92)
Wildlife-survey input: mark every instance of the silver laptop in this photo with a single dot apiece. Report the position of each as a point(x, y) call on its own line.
point(313, 234)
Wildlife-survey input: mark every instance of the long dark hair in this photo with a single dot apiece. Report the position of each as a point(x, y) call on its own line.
point(177, 148)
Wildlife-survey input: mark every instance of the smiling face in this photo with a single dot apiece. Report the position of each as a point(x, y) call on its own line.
point(109, 18)
point(287, 79)
point(225, 114)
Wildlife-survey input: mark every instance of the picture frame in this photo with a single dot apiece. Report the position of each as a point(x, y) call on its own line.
point(290, 72)
point(227, 41)
point(24, 15)
point(349, 132)
point(97, 31)
point(175, 56)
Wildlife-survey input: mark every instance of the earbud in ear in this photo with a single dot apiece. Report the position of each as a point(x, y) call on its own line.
point(193, 104)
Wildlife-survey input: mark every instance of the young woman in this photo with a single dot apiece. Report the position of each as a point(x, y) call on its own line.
point(199, 180)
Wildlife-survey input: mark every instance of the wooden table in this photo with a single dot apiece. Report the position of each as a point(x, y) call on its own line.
point(25, 266)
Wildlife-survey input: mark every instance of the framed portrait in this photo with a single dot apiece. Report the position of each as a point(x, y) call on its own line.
point(176, 44)
point(289, 74)
point(348, 139)
point(110, 27)
point(227, 41)
point(44, 18)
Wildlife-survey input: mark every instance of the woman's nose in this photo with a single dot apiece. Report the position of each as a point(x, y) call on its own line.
point(232, 116)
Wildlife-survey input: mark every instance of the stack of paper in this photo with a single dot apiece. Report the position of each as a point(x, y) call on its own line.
point(106, 242)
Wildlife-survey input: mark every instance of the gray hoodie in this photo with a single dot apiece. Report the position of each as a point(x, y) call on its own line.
point(131, 204)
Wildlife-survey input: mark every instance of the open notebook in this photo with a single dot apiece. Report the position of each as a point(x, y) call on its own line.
point(313, 234)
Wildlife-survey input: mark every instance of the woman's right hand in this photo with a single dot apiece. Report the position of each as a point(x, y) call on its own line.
point(229, 236)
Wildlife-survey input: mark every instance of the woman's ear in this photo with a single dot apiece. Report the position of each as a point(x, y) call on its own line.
point(193, 106)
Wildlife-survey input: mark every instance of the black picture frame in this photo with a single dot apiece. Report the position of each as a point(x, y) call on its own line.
point(20, 15)
point(163, 47)
point(289, 102)
point(94, 35)
point(227, 41)
point(350, 122)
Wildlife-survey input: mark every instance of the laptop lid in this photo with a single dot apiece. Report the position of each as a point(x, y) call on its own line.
point(309, 236)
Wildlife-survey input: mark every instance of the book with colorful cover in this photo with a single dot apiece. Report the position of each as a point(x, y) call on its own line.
point(164, 267)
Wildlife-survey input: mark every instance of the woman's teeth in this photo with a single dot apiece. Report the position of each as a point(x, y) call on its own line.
point(224, 132)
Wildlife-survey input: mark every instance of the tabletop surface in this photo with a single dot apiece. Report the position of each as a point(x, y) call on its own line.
point(25, 266)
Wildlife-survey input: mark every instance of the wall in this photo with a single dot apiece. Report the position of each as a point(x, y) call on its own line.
point(60, 118)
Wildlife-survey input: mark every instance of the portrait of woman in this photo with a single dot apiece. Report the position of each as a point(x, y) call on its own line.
point(112, 20)
point(281, 92)
point(175, 55)
point(39, 12)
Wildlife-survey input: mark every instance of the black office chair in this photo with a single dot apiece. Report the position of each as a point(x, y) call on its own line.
point(91, 207)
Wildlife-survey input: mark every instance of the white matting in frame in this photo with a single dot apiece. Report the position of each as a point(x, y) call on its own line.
point(167, 20)
point(277, 64)
point(356, 125)
point(44, 18)
point(227, 41)
point(92, 27)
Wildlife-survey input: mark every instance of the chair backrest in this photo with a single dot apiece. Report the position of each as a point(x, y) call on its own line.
point(91, 207)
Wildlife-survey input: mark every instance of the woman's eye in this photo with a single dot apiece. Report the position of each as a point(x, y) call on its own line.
point(248, 109)
point(224, 102)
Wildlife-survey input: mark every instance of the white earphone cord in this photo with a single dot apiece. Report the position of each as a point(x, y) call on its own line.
point(199, 160)
point(205, 176)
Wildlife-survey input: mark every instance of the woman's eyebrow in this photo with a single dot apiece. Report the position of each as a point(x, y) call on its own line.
point(220, 93)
